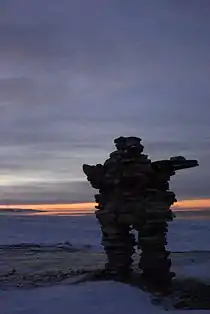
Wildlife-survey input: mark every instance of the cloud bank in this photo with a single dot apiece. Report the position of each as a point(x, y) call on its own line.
point(76, 74)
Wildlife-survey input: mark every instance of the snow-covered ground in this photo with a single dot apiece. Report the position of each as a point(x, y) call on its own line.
point(88, 298)
point(184, 235)
point(94, 297)
point(78, 230)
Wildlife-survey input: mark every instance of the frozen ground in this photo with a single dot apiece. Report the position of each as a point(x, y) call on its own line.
point(184, 235)
point(88, 298)
point(63, 243)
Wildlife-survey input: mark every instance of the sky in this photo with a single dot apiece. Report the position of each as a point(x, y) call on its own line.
point(75, 74)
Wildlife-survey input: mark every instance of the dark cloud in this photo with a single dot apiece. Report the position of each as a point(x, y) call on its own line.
point(75, 74)
point(50, 192)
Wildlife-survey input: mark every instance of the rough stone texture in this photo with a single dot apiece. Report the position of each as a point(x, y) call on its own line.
point(134, 195)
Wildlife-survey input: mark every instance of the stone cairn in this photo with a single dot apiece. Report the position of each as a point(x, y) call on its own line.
point(134, 195)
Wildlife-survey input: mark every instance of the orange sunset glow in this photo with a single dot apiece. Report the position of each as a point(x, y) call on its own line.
point(194, 204)
point(183, 205)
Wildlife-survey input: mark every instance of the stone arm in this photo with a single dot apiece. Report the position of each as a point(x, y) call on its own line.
point(164, 169)
point(103, 177)
point(95, 175)
point(174, 164)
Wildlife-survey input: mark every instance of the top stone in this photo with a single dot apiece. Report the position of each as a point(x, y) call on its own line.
point(127, 143)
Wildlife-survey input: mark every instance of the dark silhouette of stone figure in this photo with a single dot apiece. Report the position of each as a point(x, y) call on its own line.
point(134, 195)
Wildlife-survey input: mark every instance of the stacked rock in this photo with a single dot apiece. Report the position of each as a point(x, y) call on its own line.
point(122, 181)
point(154, 258)
point(134, 195)
point(126, 172)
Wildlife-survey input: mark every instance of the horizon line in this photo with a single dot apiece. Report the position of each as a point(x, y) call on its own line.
point(182, 205)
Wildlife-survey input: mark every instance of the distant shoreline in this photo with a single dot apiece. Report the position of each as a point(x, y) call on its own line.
point(192, 215)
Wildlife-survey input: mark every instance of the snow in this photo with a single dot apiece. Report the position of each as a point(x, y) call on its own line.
point(189, 235)
point(88, 298)
point(96, 297)
point(183, 235)
point(194, 264)
point(79, 231)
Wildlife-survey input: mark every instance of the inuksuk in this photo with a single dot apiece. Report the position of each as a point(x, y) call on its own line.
point(134, 195)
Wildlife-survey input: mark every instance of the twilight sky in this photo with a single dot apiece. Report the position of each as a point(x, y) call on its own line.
point(75, 74)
